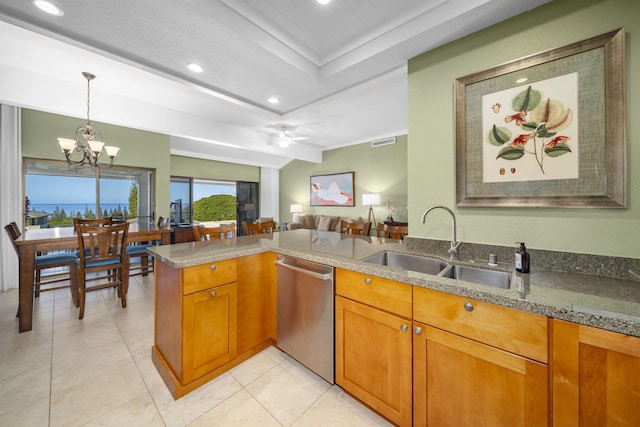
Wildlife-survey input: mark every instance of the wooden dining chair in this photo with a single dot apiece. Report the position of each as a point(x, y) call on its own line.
point(362, 229)
point(221, 232)
point(162, 222)
point(97, 222)
point(145, 265)
point(267, 227)
point(49, 261)
point(102, 260)
point(392, 231)
point(134, 250)
point(139, 250)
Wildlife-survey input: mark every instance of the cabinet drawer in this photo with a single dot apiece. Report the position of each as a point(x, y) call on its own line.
point(382, 293)
point(505, 328)
point(200, 277)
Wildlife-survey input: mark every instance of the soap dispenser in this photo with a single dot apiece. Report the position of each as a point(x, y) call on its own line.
point(522, 259)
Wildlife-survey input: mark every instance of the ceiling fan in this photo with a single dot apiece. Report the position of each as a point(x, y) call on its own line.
point(284, 139)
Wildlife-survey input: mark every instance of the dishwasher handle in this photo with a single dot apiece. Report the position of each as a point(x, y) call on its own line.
point(321, 276)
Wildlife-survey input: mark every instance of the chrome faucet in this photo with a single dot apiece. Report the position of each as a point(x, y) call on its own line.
point(453, 250)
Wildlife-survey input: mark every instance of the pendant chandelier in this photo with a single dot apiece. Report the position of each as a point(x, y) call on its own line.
point(88, 144)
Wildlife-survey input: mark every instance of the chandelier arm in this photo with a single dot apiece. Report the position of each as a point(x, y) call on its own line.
point(85, 138)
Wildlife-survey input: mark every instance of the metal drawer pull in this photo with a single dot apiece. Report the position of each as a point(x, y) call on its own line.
point(404, 328)
point(367, 281)
point(418, 330)
point(468, 306)
point(213, 267)
point(214, 294)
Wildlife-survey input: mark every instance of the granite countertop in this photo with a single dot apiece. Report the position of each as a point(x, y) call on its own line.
point(589, 299)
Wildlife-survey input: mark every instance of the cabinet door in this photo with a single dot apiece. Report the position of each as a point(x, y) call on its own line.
point(257, 294)
point(596, 376)
point(460, 382)
point(373, 358)
point(209, 330)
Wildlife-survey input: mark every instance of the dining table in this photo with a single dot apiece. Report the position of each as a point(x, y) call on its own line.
point(34, 241)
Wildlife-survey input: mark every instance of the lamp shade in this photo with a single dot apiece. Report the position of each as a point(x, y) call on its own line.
point(296, 208)
point(66, 144)
point(372, 199)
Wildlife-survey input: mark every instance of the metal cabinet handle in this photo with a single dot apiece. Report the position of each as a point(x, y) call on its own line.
point(214, 294)
point(367, 281)
point(213, 267)
point(404, 328)
point(418, 330)
point(468, 306)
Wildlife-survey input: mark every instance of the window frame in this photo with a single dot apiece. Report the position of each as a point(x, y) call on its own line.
point(60, 165)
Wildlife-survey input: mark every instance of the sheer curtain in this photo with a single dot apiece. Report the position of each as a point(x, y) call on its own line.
point(10, 191)
point(270, 193)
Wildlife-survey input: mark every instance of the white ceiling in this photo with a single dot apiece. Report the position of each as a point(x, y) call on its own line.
point(340, 70)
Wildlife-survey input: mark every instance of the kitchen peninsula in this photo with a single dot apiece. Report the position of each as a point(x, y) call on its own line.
point(529, 331)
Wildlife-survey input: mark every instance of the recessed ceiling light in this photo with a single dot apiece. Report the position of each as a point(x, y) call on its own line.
point(48, 7)
point(522, 80)
point(273, 100)
point(196, 68)
point(324, 1)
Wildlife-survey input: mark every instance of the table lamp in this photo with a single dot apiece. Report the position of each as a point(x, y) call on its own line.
point(295, 210)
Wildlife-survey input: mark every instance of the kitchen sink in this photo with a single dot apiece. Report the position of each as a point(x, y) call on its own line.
point(498, 279)
point(408, 262)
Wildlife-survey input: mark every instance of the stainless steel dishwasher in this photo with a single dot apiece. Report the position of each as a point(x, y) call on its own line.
point(306, 313)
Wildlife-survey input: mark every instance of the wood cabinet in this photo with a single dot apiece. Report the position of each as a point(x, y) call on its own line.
point(257, 301)
point(595, 376)
point(416, 356)
point(209, 330)
point(473, 363)
point(211, 317)
point(373, 343)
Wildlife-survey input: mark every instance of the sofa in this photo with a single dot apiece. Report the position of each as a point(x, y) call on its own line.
point(321, 222)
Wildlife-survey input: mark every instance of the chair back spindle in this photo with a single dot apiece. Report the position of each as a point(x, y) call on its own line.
point(267, 227)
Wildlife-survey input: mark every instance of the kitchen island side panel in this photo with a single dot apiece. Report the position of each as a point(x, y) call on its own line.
point(168, 316)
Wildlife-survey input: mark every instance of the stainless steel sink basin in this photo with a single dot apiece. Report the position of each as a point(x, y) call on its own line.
point(407, 262)
point(498, 279)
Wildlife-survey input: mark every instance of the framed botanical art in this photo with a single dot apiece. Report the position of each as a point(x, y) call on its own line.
point(545, 130)
point(332, 190)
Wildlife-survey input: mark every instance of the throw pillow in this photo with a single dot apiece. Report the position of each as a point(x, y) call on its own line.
point(304, 220)
point(335, 223)
point(325, 223)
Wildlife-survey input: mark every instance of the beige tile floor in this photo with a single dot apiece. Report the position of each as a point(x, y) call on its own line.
point(98, 371)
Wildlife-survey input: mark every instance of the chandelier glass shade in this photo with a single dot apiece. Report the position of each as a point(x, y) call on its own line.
point(87, 145)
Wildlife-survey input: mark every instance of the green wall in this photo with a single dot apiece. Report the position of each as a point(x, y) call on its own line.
point(377, 170)
point(137, 148)
point(211, 169)
point(431, 159)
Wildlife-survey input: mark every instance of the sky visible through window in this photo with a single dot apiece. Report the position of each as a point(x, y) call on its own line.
point(74, 195)
point(47, 189)
point(46, 192)
point(202, 189)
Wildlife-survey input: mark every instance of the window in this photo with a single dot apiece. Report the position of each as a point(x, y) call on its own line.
point(214, 202)
point(180, 207)
point(54, 195)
